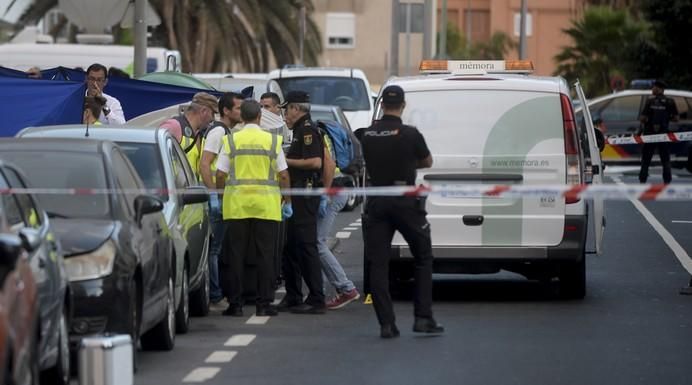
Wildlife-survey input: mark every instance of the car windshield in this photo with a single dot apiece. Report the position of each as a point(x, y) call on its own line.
point(66, 170)
point(147, 161)
point(348, 93)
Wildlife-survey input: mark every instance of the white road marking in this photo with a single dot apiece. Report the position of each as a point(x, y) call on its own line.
point(201, 374)
point(682, 221)
point(281, 290)
point(220, 357)
point(350, 228)
point(667, 237)
point(356, 224)
point(358, 220)
point(240, 340)
point(255, 320)
point(343, 235)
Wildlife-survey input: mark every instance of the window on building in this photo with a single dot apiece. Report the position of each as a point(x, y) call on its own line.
point(341, 30)
point(517, 24)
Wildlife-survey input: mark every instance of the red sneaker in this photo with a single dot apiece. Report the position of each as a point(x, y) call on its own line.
point(343, 299)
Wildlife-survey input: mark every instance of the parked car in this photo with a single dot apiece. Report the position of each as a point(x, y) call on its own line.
point(19, 320)
point(335, 113)
point(161, 164)
point(117, 252)
point(620, 113)
point(347, 88)
point(27, 220)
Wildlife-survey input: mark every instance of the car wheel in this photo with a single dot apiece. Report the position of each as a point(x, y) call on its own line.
point(60, 373)
point(162, 336)
point(199, 299)
point(182, 315)
point(572, 279)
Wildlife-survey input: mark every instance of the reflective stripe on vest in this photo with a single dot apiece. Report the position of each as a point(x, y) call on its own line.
point(252, 188)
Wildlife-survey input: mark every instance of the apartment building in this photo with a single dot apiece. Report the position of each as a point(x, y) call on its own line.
point(357, 33)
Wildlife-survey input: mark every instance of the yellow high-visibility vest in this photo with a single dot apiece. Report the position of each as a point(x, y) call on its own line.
point(193, 155)
point(252, 187)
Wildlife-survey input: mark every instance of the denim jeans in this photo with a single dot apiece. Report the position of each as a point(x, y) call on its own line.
point(215, 247)
point(331, 268)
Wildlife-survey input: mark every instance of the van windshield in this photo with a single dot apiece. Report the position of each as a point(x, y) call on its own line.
point(348, 93)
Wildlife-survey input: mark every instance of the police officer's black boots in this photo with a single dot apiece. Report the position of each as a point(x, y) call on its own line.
point(427, 325)
point(389, 331)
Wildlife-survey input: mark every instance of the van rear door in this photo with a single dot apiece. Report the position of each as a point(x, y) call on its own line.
point(594, 157)
point(496, 137)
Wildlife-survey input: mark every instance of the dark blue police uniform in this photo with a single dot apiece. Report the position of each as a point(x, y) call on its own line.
point(659, 110)
point(392, 153)
point(301, 259)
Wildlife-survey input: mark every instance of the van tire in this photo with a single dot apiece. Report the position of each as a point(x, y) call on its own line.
point(572, 278)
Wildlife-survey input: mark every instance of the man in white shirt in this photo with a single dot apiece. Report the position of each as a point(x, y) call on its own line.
point(229, 109)
point(96, 80)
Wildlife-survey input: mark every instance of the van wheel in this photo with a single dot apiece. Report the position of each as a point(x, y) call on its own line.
point(572, 279)
point(162, 336)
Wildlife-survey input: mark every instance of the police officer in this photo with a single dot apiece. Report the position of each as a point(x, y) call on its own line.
point(393, 152)
point(658, 112)
point(301, 260)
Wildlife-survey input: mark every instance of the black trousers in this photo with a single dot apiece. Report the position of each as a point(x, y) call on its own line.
point(664, 153)
point(406, 215)
point(301, 260)
point(249, 241)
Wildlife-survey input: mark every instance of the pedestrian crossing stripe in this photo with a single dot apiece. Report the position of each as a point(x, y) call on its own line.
point(368, 299)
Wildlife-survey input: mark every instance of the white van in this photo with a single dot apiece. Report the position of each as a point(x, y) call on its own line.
point(347, 88)
point(22, 56)
point(491, 123)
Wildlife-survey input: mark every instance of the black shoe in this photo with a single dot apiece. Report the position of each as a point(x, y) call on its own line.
point(427, 325)
point(389, 331)
point(266, 311)
point(308, 309)
point(285, 305)
point(233, 311)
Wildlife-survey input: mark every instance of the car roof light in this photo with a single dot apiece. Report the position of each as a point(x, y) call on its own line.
point(476, 67)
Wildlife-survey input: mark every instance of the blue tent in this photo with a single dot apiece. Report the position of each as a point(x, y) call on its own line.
point(29, 102)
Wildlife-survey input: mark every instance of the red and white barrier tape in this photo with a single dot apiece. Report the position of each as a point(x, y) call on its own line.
point(670, 192)
point(670, 137)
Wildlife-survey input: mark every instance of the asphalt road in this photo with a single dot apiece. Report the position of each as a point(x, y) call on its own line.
point(632, 328)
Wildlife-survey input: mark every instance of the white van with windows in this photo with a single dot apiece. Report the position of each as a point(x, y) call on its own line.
point(347, 88)
point(490, 122)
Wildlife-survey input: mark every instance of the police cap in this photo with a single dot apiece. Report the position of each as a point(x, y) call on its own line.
point(393, 95)
point(296, 97)
point(660, 84)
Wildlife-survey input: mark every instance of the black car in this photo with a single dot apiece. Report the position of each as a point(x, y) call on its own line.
point(161, 164)
point(27, 220)
point(117, 252)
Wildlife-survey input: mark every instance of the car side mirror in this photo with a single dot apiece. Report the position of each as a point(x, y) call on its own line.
point(10, 251)
point(31, 239)
point(195, 194)
point(146, 204)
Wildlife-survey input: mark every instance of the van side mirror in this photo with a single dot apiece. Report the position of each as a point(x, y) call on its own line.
point(146, 204)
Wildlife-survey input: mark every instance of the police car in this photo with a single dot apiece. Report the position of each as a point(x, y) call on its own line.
point(490, 122)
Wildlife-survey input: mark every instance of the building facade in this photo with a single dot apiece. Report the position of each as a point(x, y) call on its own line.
point(357, 33)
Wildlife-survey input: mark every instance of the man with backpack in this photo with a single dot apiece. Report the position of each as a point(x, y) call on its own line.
point(339, 154)
point(212, 143)
point(658, 112)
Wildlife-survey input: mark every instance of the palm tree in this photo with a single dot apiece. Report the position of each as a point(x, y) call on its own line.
point(227, 35)
point(603, 41)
